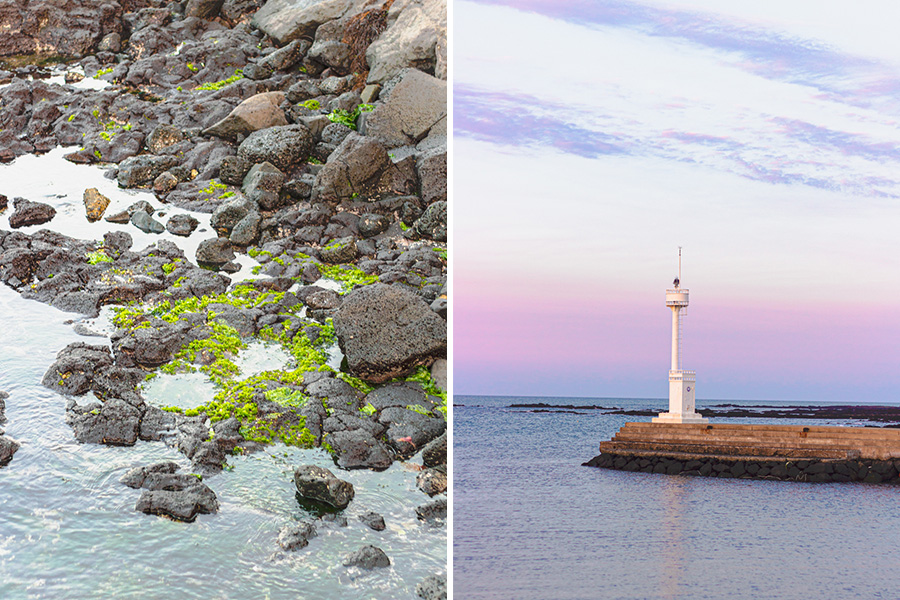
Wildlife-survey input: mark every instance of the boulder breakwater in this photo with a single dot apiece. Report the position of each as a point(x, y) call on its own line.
point(286, 164)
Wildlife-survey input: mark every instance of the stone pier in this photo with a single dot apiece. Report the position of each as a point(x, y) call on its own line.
point(788, 452)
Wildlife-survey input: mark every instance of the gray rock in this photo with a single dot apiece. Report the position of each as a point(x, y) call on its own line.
point(111, 42)
point(316, 483)
point(358, 449)
point(184, 503)
point(435, 452)
point(433, 513)
point(433, 587)
point(368, 557)
point(204, 9)
point(339, 251)
point(162, 137)
point(141, 170)
point(294, 537)
point(414, 38)
point(8, 447)
point(246, 231)
point(408, 430)
point(433, 223)
point(29, 213)
point(354, 169)
point(373, 520)
point(256, 112)
point(166, 182)
point(233, 169)
point(432, 171)
point(287, 57)
point(258, 72)
point(229, 213)
point(114, 422)
point(415, 105)
point(183, 225)
point(328, 48)
point(214, 253)
point(288, 20)
point(135, 477)
point(284, 146)
point(146, 223)
point(385, 332)
point(372, 224)
point(432, 481)
point(263, 185)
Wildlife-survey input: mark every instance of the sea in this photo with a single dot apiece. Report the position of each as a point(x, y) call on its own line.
point(532, 523)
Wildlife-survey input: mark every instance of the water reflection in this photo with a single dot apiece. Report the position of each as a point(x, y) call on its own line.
point(672, 497)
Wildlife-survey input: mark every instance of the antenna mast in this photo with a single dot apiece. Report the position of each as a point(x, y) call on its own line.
point(679, 263)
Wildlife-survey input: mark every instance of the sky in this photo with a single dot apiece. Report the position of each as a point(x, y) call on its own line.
point(592, 139)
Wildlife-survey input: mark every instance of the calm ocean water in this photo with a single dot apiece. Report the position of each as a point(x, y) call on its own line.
point(531, 523)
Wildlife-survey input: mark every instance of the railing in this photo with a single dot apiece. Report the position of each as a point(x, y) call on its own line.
point(683, 374)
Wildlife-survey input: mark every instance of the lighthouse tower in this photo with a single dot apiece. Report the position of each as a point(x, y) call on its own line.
point(681, 383)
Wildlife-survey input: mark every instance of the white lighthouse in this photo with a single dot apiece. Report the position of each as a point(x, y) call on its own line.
point(681, 383)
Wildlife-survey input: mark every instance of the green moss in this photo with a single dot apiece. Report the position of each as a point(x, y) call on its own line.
point(97, 257)
point(368, 410)
point(442, 252)
point(214, 187)
point(193, 67)
point(103, 72)
point(168, 268)
point(349, 118)
point(238, 75)
point(418, 408)
point(356, 382)
point(71, 118)
point(311, 104)
point(347, 275)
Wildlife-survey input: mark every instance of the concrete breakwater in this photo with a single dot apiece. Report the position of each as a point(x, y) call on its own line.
point(817, 471)
point(785, 452)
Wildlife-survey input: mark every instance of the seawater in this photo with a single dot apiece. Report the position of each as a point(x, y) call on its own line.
point(531, 523)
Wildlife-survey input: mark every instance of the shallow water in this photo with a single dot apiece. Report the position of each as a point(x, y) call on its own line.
point(530, 522)
point(67, 526)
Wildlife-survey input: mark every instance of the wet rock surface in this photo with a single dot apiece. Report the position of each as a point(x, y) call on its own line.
point(316, 483)
point(165, 492)
point(368, 557)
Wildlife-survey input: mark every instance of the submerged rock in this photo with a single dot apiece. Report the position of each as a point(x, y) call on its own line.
point(373, 521)
point(433, 587)
point(294, 537)
point(368, 557)
point(8, 447)
point(317, 483)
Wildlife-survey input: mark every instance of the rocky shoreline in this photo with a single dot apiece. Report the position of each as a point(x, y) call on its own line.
point(888, 415)
point(315, 135)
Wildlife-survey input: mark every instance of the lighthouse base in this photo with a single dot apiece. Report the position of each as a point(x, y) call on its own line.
point(682, 386)
point(679, 418)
